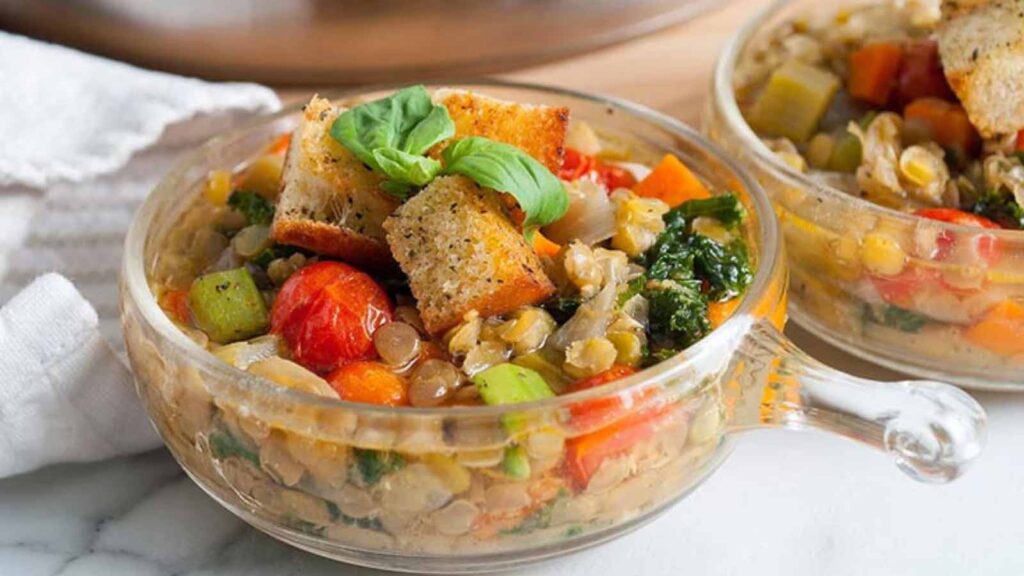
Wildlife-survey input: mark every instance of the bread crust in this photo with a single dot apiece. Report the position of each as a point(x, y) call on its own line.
point(540, 131)
point(461, 253)
point(982, 52)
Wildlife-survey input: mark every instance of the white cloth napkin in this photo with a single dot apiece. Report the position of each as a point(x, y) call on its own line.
point(84, 140)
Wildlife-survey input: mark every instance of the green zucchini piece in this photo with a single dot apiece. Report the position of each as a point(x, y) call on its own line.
point(228, 306)
point(794, 101)
point(511, 384)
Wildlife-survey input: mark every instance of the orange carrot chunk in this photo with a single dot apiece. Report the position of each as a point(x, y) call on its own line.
point(544, 247)
point(369, 383)
point(671, 182)
point(874, 70)
point(1001, 330)
point(947, 123)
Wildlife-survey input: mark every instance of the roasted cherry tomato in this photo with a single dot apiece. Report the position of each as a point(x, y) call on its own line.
point(577, 164)
point(1020, 140)
point(986, 246)
point(327, 313)
point(921, 74)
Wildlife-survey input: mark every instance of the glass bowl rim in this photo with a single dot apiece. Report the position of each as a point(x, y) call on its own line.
point(724, 97)
point(136, 287)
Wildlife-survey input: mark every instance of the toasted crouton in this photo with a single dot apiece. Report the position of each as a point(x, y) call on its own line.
point(537, 130)
point(982, 51)
point(461, 253)
point(330, 202)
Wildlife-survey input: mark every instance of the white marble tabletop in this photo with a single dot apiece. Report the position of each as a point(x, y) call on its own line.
point(793, 504)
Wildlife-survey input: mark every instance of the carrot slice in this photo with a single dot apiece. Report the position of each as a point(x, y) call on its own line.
point(719, 312)
point(672, 182)
point(544, 247)
point(1001, 330)
point(280, 144)
point(947, 122)
point(369, 383)
point(874, 70)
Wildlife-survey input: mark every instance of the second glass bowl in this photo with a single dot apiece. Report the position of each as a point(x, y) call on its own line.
point(853, 263)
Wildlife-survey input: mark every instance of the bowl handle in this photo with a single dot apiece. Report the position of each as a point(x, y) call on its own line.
point(932, 430)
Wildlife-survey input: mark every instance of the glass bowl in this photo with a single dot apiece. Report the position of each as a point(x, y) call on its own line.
point(834, 240)
point(296, 465)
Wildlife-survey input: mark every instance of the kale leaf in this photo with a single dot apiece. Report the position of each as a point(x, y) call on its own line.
point(561, 309)
point(725, 208)
point(1000, 207)
point(255, 208)
point(375, 464)
point(901, 319)
point(678, 312)
point(726, 269)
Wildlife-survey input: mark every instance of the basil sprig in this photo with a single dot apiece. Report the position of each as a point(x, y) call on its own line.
point(505, 168)
point(393, 134)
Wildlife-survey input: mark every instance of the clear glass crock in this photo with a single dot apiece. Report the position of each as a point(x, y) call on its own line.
point(744, 375)
point(832, 292)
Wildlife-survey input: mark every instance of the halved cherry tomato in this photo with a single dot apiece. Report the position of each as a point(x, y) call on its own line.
point(921, 74)
point(369, 383)
point(327, 313)
point(986, 246)
point(577, 164)
point(1020, 140)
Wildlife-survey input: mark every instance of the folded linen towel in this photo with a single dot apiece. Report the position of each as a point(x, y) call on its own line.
point(97, 135)
point(65, 396)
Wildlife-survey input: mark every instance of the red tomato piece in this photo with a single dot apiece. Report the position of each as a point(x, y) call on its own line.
point(590, 414)
point(986, 246)
point(1020, 140)
point(327, 313)
point(575, 164)
point(900, 290)
point(921, 74)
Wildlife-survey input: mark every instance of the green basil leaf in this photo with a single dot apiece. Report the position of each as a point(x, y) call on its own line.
point(406, 168)
point(505, 168)
point(407, 121)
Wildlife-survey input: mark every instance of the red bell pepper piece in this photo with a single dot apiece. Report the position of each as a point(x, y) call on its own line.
point(987, 247)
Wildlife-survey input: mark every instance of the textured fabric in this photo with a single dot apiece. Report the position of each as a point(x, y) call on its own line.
point(85, 139)
point(65, 396)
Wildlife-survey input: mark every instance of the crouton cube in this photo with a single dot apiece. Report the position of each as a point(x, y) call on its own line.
point(539, 131)
point(330, 202)
point(982, 50)
point(461, 253)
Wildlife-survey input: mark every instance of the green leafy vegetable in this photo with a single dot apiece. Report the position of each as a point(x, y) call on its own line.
point(901, 319)
point(392, 134)
point(368, 523)
point(224, 445)
point(725, 208)
point(633, 288)
point(505, 168)
point(561, 309)
point(678, 312)
point(726, 269)
point(375, 464)
point(264, 258)
point(1000, 207)
point(255, 208)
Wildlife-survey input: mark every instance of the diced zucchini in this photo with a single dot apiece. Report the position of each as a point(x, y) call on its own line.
point(794, 101)
point(227, 306)
point(511, 384)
